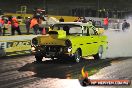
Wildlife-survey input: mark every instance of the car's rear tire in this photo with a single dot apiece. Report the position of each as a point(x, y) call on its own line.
point(99, 54)
point(77, 56)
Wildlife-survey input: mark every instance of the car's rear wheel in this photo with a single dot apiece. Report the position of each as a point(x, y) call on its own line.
point(77, 56)
point(99, 54)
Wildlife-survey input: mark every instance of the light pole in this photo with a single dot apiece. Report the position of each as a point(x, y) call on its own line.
point(46, 7)
point(98, 7)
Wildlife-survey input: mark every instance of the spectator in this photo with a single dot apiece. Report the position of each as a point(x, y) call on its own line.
point(1, 25)
point(28, 24)
point(106, 23)
point(61, 19)
point(15, 26)
point(5, 25)
point(42, 23)
point(90, 23)
point(84, 20)
point(125, 25)
point(34, 24)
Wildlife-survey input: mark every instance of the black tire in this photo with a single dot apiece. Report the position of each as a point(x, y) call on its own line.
point(98, 56)
point(38, 57)
point(77, 56)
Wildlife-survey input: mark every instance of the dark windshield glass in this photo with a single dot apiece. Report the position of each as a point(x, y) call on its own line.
point(70, 29)
point(98, 24)
point(52, 32)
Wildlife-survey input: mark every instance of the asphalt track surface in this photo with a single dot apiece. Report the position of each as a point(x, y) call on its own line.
point(24, 72)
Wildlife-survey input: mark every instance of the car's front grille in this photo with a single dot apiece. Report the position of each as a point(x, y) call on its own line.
point(53, 48)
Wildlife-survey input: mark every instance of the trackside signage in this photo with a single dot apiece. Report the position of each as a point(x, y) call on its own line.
point(3, 45)
point(14, 46)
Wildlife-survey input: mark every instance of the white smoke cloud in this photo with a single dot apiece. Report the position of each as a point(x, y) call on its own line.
point(120, 43)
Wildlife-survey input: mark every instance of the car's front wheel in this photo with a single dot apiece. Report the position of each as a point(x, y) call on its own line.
point(99, 54)
point(38, 57)
point(77, 56)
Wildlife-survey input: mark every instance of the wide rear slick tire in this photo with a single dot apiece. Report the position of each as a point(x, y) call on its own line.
point(77, 56)
point(98, 56)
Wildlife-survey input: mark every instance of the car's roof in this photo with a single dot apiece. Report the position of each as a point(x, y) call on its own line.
point(73, 23)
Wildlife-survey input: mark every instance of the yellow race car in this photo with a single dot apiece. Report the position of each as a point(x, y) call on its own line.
point(72, 39)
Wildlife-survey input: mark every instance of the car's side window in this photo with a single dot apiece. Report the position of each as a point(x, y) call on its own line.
point(85, 31)
point(92, 31)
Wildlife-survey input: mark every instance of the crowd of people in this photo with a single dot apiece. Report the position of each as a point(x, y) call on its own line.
point(105, 23)
point(7, 23)
point(37, 24)
point(12, 24)
point(84, 20)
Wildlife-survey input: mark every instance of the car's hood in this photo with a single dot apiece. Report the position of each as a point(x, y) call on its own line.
point(55, 38)
point(50, 40)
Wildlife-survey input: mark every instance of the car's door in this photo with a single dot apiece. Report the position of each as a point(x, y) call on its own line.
point(94, 41)
point(82, 41)
point(85, 42)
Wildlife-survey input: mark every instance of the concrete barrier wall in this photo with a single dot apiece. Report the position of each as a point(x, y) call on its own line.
point(13, 45)
point(16, 37)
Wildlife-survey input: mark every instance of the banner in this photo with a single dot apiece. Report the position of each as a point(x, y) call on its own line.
point(15, 45)
point(9, 47)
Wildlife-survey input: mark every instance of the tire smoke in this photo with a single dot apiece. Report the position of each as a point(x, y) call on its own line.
point(120, 43)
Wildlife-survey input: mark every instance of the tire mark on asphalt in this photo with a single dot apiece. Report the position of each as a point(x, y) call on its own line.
point(8, 73)
point(116, 70)
point(11, 66)
point(21, 81)
point(16, 76)
point(14, 62)
point(45, 69)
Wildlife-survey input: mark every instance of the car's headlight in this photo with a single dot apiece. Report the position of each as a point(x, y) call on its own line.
point(33, 48)
point(69, 49)
point(34, 41)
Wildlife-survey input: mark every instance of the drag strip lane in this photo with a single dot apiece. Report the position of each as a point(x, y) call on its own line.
point(22, 72)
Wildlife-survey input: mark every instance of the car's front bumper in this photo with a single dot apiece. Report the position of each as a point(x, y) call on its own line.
point(52, 52)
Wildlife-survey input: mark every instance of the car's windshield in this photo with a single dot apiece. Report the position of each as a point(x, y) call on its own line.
point(70, 29)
